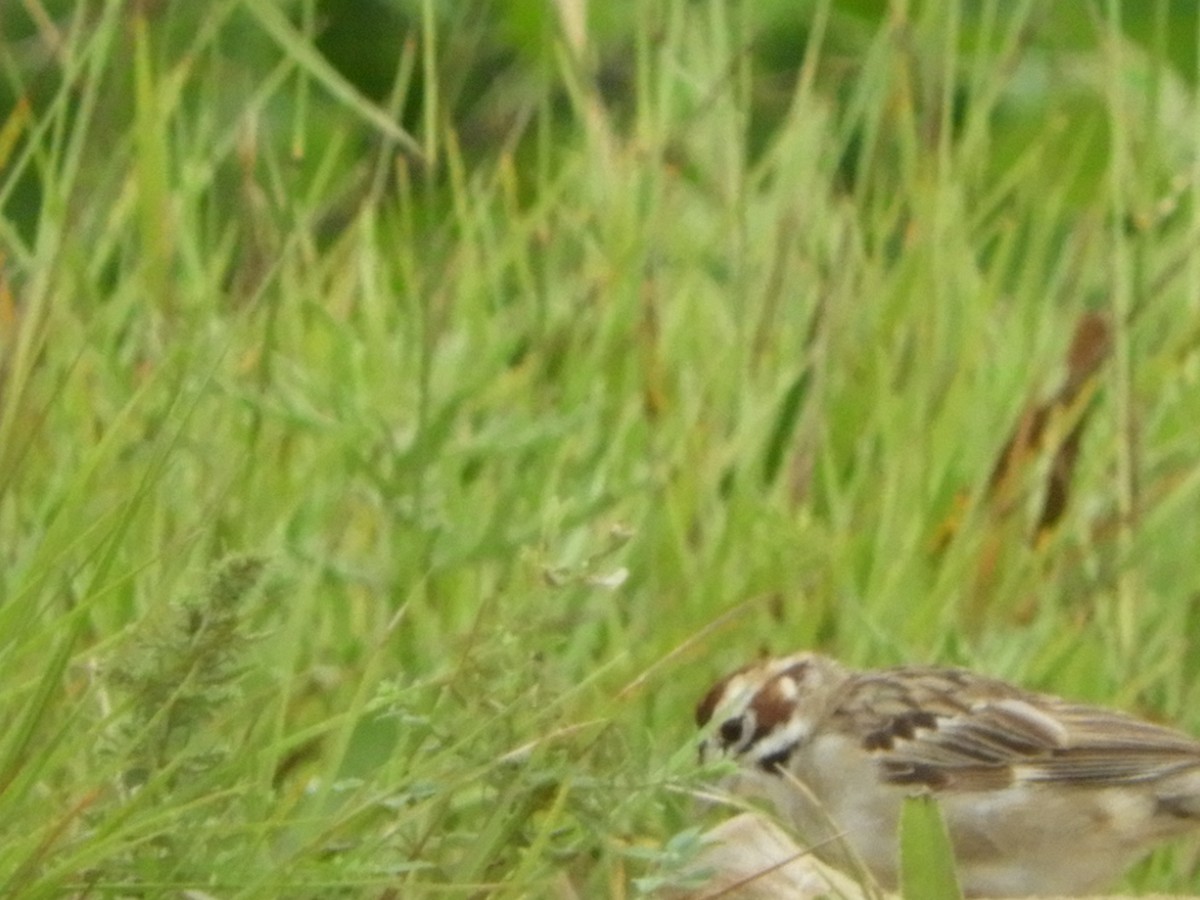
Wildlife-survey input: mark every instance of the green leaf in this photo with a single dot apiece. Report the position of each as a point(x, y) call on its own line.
point(926, 858)
point(785, 424)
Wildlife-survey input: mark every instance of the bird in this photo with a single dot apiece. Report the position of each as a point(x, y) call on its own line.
point(1040, 795)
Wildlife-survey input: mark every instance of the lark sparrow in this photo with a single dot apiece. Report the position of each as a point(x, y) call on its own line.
point(1039, 794)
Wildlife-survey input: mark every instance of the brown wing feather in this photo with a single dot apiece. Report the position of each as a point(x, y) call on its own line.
point(949, 729)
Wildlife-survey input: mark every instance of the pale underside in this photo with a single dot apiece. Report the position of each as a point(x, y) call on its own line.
point(1026, 838)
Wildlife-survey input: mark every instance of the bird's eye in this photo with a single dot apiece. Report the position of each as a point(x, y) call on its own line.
point(731, 731)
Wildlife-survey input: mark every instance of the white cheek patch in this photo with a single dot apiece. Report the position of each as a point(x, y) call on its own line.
point(775, 748)
point(787, 688)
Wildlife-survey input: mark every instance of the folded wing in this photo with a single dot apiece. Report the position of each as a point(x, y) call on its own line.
point(948, 729)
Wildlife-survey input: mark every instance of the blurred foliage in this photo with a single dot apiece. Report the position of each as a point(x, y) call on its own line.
point(423, 296)
point(499, 61)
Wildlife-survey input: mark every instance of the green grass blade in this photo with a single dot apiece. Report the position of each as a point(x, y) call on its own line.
point(926, 858)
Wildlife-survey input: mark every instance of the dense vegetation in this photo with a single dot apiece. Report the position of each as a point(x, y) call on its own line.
point(407, 408)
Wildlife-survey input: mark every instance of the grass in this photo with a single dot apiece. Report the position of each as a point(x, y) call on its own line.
point(542, 421)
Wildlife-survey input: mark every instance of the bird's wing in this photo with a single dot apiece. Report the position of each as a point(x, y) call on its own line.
point(947, 729)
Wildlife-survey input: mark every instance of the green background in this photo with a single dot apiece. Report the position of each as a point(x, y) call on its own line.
point(556, 358)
